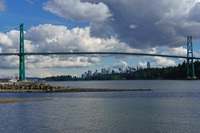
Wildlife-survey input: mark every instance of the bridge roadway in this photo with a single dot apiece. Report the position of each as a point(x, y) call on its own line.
point(111, 53)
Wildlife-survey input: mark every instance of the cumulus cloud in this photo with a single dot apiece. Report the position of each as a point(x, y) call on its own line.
point(42, 72)
point(9, 62)
point(120, 64)
point(194, 13)
point(5, 40)
point(53, 38)
point(56, 62)
point(94, 59)
point(9, 42)
point(78, 11)
point(155, 24)
point(161, 61)
point(179, 51)
point(158, 62)
point(2, 5)
point(142, 64)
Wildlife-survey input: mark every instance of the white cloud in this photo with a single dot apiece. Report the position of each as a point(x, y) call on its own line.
point(50, 62)
point(30, 66)
point(158, 62)
point(43, 72)
point(31, 2)
point(142, 64)
point(53, 38)
point(98, 64)
point(5, 40)
point(2, 5)
point(132, 26)
point(78, 11)
point(94, 59)
point(163, 62)
point(120, 64)
point(47, 32)
point(179, 51)
point(9, 62)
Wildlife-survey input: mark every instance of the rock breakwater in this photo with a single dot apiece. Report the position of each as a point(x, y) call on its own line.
point(32, 87)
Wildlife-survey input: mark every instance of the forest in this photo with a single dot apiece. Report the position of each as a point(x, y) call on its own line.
point(176, 72)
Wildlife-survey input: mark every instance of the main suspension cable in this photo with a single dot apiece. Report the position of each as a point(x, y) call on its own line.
point(10, 29)
point(173, 43)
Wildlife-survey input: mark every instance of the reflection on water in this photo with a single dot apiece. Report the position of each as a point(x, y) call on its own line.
point(168, 108)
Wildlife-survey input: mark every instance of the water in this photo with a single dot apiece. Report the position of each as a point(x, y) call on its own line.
point(171, 106)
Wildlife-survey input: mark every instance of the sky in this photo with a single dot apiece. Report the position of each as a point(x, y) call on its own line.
point(156, 27)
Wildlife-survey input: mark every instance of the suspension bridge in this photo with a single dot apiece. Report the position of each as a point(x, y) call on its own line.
point(190, 58)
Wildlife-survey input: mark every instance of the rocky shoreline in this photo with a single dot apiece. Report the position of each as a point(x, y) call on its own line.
point(32, 87)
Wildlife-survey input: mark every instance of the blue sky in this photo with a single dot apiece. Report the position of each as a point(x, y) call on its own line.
point(88, 26)
point(32, 15)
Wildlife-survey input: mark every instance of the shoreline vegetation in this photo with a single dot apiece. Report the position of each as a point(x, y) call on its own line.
point(32, 87)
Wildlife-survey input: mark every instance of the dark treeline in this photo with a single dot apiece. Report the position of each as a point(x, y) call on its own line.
point(60, 78)
point(177, 72)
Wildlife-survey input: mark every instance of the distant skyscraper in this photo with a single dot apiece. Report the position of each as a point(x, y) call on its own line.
point(113, 71)
point(84, 75)
point(138, 68)
point(103, 71)
point(95, 73)
point(120, 69)
point(109, 71)
point(148, 64)
point(89, 73)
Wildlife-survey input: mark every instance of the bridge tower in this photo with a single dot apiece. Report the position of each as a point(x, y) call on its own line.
point(190, 62)
point(21, 55)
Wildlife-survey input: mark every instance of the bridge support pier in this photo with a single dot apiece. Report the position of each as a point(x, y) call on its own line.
point(190, 62)
point(21, 55)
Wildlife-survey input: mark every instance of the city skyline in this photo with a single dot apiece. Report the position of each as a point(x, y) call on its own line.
point(55, 26)
point(106, 71)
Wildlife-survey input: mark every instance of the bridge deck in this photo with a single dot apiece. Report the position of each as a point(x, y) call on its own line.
point(85, 53)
